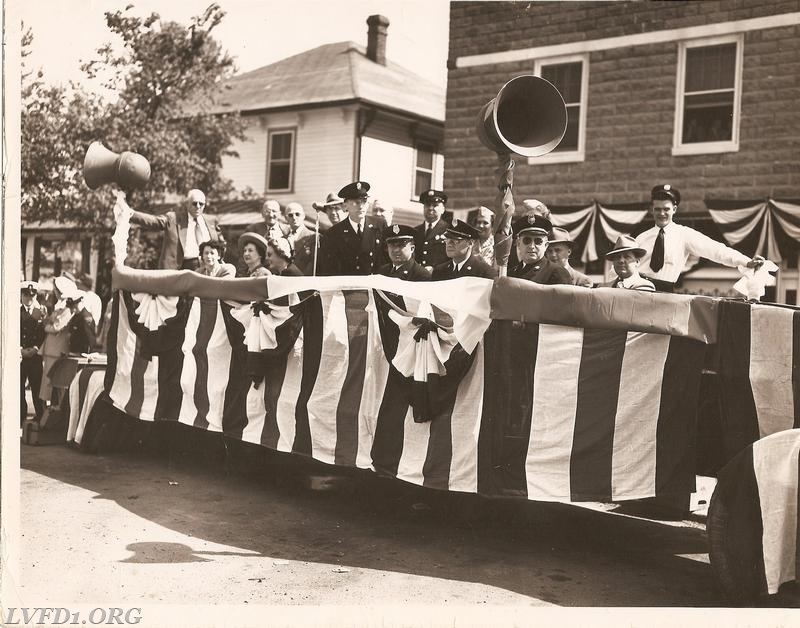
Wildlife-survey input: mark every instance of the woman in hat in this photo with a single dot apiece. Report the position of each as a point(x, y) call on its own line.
point(279, 258)
point(625, 257)
point(211, 263)
point(254, 252)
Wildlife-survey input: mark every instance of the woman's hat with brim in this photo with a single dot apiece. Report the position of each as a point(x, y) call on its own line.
point(253, 238)
point(282, 247)
point(66, 287)
point(626, 243)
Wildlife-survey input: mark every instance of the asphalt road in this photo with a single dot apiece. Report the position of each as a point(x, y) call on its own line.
point(175, 529)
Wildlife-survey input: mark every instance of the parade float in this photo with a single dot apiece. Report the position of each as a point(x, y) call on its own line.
point(496, 387)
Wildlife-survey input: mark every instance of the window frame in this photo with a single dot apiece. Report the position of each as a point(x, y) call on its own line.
point(703, 148)
point(270, 134)
point(433, 149)
point(558, 157)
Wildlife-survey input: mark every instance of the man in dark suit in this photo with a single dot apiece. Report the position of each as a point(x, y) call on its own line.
point(271, 226)
point(531, 233)
point(429, 236)
point(400, 245)
point(31, 335)
point(459, 238)
point(185, 228)
point(354, 246)
point(302, 239)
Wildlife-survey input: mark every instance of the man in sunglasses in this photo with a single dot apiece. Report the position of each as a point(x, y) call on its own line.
point(531, 233)
point(184, 229)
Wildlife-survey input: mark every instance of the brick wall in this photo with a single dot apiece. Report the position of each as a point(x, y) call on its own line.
point(631, 103)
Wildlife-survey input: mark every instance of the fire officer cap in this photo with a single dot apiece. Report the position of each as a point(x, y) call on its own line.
point(460, 230)
point(433, 197)
point(398, 233)
point(355, 190)
point(665, 192)
point(532, 224)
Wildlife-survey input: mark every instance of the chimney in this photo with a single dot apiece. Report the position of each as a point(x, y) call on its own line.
point(376, 38)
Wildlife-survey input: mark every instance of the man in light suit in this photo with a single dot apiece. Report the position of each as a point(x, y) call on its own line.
point(185, 228)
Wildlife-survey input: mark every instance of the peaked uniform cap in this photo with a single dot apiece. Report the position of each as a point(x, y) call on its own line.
point(397, 233)
point(532, 224)
point(626, 243)
point(433, 196)
point(355, 190)
point(460, 230)
point(665, 192)
point(29, 285)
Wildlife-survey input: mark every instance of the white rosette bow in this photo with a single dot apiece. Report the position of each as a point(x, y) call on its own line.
point(423, 346)
point(261, 321)
point(154, 309)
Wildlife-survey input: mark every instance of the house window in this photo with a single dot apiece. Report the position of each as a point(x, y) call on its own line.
point(570, 75)
point(423, 169)
point(280, 161)
point(708, 94)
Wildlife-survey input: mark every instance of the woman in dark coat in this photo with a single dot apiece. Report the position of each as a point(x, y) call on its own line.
point(279, 258)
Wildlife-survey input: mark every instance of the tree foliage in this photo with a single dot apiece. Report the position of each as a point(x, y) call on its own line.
point(161, 81)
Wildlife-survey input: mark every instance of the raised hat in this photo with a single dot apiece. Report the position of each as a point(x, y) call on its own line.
point(330, 201)
point(559, 235)
point(665, 192)
point(357, 189)
point(254, 238)
point(433, 196)
point(626, 243)
point(460, 230)
point(396, 233)
point(533, 224)
point(534, 205)
point(66, 287)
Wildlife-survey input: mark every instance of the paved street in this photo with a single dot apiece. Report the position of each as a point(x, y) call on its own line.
point(149, 528)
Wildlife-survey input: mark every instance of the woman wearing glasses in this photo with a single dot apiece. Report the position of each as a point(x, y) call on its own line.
point(531, 233)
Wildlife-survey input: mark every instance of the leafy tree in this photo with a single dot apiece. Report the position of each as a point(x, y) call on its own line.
point(164, 82)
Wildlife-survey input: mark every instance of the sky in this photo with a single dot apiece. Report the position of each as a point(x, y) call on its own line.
point(254, 32)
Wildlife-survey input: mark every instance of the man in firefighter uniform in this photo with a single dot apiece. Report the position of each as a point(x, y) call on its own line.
point(429, 237)
point(461, 262)
point(532, 239)
point(400, 245)
point(31, 335)
point(354, 246)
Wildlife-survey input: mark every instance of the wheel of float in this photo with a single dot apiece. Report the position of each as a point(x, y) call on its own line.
point(734, 530)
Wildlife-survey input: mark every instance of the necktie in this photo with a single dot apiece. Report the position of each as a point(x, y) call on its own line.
point(657, 258)
point(428, 231)
point(358, 230)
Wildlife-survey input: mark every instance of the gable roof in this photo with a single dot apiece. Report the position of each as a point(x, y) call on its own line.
point(332, 73)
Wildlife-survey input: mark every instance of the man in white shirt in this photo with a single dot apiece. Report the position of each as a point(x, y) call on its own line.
point(669, 246)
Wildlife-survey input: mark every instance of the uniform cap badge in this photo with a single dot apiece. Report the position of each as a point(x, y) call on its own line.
point(395, 229)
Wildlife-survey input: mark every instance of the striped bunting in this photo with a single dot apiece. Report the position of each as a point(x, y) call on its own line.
point(758, 365)
point(558, 413)
point(83, 392)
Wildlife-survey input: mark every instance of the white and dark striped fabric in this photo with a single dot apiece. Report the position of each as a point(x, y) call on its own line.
point(551, 412)
point(83, 392)
point(759, 368)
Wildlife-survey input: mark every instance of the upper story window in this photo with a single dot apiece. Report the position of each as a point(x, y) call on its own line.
point(708, 96)
point(423, 168)
point(570, 75)
point(280, 160)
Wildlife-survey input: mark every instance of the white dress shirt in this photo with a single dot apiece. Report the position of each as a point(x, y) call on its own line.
point(680, 244)
point(356, 226)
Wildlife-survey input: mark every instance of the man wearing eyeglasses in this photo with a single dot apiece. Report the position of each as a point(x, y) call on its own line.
point(300, 237)
point(271, 226)
point(531, 233)
point(184, 229)
point(459, 238)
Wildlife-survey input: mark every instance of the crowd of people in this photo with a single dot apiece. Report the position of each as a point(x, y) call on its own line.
point(364, 242)
point(361, 242)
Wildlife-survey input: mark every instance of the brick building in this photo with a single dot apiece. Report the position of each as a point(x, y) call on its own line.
point(703, 95)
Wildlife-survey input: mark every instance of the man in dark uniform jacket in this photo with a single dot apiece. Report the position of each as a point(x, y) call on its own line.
point(400, 245)
point(459, 238)
point(429, 236)
point(354, 246)
point(531, 233)
point(31, 335)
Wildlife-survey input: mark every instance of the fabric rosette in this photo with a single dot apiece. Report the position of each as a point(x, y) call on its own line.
point(154, 310)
